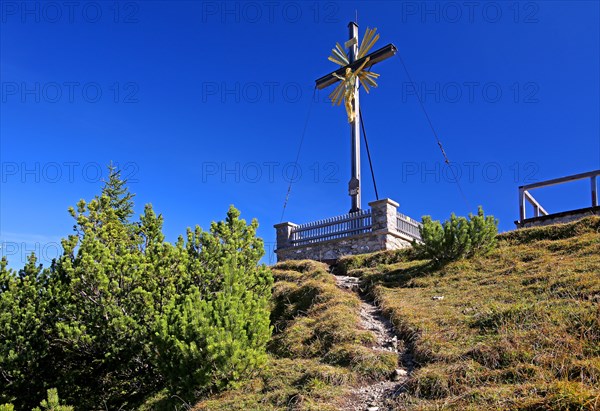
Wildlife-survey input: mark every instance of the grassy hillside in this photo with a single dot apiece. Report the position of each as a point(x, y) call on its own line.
point(318, 350)
point(517, 329)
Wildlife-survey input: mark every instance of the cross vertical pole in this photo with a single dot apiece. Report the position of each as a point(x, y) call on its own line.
point(354, 184)
point(349, 72)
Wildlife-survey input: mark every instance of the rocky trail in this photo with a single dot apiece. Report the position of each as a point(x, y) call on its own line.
point(377, 396)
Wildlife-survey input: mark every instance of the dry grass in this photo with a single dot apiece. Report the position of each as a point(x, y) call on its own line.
point(284, 384)
point(516, 329)
point(318, 350)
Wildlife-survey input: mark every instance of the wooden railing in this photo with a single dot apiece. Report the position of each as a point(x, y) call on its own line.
point(408, 226)
point(526, 197)
point(346, 225)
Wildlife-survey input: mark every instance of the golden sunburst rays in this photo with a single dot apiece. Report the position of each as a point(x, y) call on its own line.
point(345, 88)
point(337, 95)
point(367, 79)
point(369, 39)
point(339, 56)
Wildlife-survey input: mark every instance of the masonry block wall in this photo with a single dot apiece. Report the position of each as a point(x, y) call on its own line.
point(383, 236)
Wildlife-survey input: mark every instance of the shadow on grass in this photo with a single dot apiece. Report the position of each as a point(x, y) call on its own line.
point(400, 277)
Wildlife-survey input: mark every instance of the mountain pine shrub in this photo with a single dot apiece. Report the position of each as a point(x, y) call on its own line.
point(457, 237)
point(122, 313)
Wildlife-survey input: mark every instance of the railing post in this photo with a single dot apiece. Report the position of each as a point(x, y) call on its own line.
point(384, 215)
point(594, 191)
point(284, 234)
point(521, 204)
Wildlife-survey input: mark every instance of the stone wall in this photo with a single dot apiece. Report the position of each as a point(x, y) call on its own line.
point(558, 218)
point(383, 236)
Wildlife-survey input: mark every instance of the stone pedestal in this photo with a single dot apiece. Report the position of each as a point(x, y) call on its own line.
point(385, 223)
point(384, 214)
point(284, 234)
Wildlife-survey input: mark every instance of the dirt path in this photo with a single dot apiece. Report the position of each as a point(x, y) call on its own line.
point(376, 396)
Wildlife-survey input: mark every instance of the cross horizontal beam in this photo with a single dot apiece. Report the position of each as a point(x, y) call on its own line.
point(375, 57)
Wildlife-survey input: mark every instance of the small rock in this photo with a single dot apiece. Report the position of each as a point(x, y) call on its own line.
point(372, 408)
point(398, 374)
point(437, 297)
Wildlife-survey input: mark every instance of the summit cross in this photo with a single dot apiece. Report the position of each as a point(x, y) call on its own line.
point(354, 71)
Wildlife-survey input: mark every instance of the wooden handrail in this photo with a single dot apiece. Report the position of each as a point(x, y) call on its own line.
point(525, 196)
point(561, 180)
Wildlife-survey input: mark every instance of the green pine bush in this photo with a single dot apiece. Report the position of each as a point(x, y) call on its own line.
point(457, 237)
point(122, 313)
point(216, 332)
point(52, 403)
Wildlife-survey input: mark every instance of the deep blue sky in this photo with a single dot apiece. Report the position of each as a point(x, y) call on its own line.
point(203, 105)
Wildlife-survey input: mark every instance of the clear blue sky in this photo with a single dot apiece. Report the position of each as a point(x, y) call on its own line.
point(203, 105)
